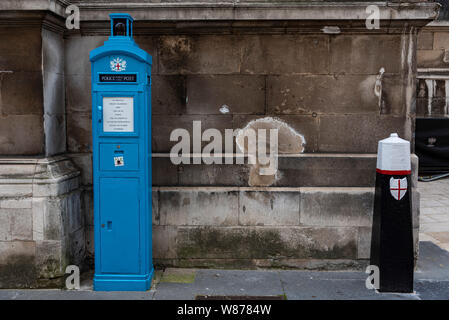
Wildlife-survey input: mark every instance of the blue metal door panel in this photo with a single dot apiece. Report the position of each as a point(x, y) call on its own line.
point(119, 156)
point(119, 219)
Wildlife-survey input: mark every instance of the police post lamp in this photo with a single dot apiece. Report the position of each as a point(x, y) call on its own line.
point(392, 237)
point(121, 131)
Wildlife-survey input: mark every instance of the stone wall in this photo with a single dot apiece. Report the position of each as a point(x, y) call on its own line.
point(317, 84)
point(330, 86)
point(41, 226)
point(41, 219)
point(316, 212)
point(21, 96)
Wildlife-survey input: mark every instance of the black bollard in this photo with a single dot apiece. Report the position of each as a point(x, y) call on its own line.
point(392, 233)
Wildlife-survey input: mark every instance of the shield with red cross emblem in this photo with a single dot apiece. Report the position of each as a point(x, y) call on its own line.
point(118, 64)
point(398, 188)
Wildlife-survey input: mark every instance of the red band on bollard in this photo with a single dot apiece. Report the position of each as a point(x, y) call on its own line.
point(394, 172)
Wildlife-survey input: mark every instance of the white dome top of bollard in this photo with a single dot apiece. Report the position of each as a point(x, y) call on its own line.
point(393, 156)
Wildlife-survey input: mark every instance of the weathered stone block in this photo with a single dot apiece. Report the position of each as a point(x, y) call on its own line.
point(49, 258)
point(79, 132)
point(336, 207)
point(416, 243)
point(303, 170)
point(305, 94)
point(284, 54)
point(352, 135)
point(155, 207)
point(53, 51)
point(17, 203)
point(149, 44)
point(25, 54)
point(75, 218)
point(77, 49)
point(10, 169)
point(327, 171)
point(168, 94)
point(414, 176)
point(90, 242)
point(430, 58)
point(87, 206)
point(5, 225)
point(52, 219)
point(164, 242)
point(17, 264)
point(45, 189)
point(393, 97)
point(77, 99)
point(415, 207)
point(205, 54)
point(21, 134)
point(268, 208)
point(440, 40)
point(198, 207)
point(15, 190)
point(425, 40)
point(21, 223)
point(84, 162)
point(214, 174)
point(266, 243)
point(238, 93)
point(55, 134)
point(365, 54)
point(364, 242)
point(165, 173)
point(53, 210)
point(162, 126)
point(77, 248)
point(14, 100)
point(39, 211)
point(305, 125)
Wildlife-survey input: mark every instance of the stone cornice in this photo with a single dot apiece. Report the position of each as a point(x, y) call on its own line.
point(38, 18)
point(235, 11)
point(55, 6)
point(222, 17)
point(187, 11)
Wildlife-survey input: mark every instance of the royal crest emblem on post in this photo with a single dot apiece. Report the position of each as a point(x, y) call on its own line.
point(398, 188)
point(118, 64)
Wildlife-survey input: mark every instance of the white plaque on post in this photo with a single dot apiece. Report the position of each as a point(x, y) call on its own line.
point(118, 114)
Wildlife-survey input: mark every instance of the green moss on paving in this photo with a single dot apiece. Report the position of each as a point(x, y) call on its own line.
point(187, 277)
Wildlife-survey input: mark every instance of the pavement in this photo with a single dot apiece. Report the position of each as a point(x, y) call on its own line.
point(431, 276)
point(431, 282)
point(434, 212)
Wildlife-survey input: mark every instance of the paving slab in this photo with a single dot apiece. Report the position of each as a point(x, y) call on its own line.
point(333, 286)
point(432, 290)
point(434, 211)
point(213, 282)
point(73, 295)
point(433, 262)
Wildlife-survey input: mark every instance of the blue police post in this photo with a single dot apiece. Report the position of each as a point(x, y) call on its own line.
point(121, 131)
point(392, 237)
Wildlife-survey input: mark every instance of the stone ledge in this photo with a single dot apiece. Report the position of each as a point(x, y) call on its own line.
point(234, 11)
point(294, 170)
point(259, 11)
point(294, 264)
point(38, 177)
point(54, 6)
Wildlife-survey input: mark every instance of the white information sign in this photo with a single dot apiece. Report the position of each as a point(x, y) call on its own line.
point(118, 114)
